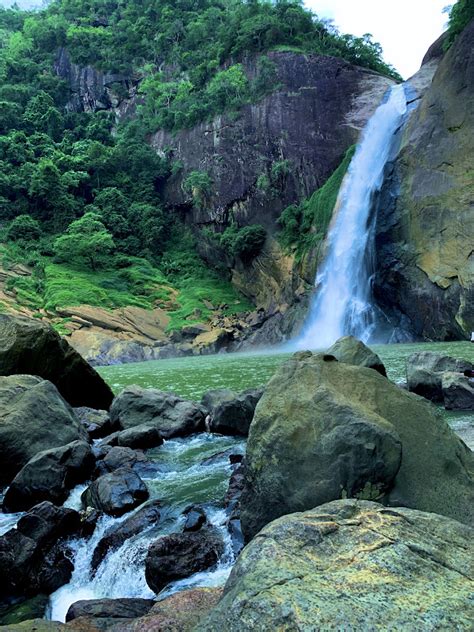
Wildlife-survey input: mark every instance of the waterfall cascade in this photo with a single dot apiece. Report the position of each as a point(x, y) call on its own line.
point(343, 303)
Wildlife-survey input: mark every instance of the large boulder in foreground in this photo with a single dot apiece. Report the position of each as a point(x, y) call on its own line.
point(425, 371)
point(325, 430)
point(350, 565)
point(31, 347)
point(49, 476)
point(171, 415)
point(33, 417)
point(180, 555)
point(352, 351)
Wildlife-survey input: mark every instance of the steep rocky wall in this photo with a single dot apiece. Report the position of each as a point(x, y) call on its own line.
point(425, 240)
point(316, 113)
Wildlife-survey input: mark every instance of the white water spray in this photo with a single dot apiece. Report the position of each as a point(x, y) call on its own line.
point(343, 302)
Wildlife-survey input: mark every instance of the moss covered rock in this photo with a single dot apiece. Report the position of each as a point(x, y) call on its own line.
point(352, 351)
point(325, 430)
point(351, 565)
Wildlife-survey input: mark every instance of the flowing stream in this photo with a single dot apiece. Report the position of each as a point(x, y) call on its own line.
point(343, 303)
point(182, 480)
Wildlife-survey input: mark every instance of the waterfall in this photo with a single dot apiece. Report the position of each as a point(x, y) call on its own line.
point(343, 302)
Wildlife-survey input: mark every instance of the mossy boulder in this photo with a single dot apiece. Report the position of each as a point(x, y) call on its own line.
point(326, 430)
point(425, 370)
point(34, 348)
point(351, 565)
point(33, 417)
point(352, 351)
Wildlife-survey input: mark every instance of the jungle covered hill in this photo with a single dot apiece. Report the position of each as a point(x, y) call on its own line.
point(87, 212)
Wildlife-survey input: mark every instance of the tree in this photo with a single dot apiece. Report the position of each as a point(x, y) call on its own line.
point(24, 228)
point(86, 242)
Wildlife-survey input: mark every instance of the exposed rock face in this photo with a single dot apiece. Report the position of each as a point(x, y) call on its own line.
point(352, 351)
point(325, 430)
point(351, 565)
point(425, 245)
point(310, 120)
point(116, 493)
point(31, 347)
point(425, 371)
point(171, 415)
point(33, 417)
point(179, 555)
point(49, 476)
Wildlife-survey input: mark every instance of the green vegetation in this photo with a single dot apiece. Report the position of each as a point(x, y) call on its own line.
point(245, 243)
point(199, 185)
point(304, 226)
point(459, 17)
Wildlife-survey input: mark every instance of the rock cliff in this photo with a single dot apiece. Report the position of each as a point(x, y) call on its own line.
point(425, 241)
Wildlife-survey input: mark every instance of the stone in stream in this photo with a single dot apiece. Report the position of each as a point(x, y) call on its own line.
point(116, 493)
point(144, 437)
point(125, 608)
point(425, 373)
point(352, 351)
point(50, 475)
point(351, 565)
point(458, 391)
point(180, 555)
point(211, 399)
point(33, 417)
point(28, 346)
point(195, 518)
point(171, 415)
point(33, 557)
point(234, 416)
point(325, 430)
point(96, 422)
point(146, 517)
point(111, 458)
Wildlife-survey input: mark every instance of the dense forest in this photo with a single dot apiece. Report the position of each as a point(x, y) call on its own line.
point(79, 194)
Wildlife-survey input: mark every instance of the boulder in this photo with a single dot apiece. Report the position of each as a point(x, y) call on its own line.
point(110, 608)
point(211, 399)
point(180, 555)
point(32, 347)
point(179, 613)
point(171, 415)
point(144, 519)
point(33, 557)
point(96, 422)
point(49, 476)
point(195, 518)
point(141, 437)
point(425, 373)
point(33, 417)
point(325, 430)
point(115, 457)
point(352, 351)
point(23, 610)
point(458, 391)
point(116, 493)
point(351, 565)
point(234, 416)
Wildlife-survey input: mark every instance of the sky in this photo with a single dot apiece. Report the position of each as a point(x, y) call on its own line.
point(404, 28)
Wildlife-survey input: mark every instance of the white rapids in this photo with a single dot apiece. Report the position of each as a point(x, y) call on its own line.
point(343, 302)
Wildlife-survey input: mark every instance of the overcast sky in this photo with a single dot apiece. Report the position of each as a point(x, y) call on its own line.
point(404, 28)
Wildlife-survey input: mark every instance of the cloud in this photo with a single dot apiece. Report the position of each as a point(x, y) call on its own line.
point(405, 28)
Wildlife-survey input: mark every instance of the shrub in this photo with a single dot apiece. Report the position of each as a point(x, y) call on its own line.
point(24, 228)
point(245, 243)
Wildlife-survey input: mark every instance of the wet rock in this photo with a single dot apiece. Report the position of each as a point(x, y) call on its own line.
point(28, 346)
point(50, 475)
point(33, 417)
point(351, 565)
point(116, 493)
point(114, 457)
point(232, 505)
point(110, 608)
point(195, 518)
point(234, 416)
point(180, 555)
point(96, 422)
point(181, 612)
point(23, 610)
point(37, 625)
point(171, 415)
point(211, 399)
point(425, 373)
point(142, 437)
point(229, 454)
point(33, 557)
point(352, 351)
point(458, 391)
point(145, 518)
point(325, 430)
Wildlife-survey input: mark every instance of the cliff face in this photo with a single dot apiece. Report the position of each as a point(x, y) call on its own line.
point(425, 241)
point(309, 122)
